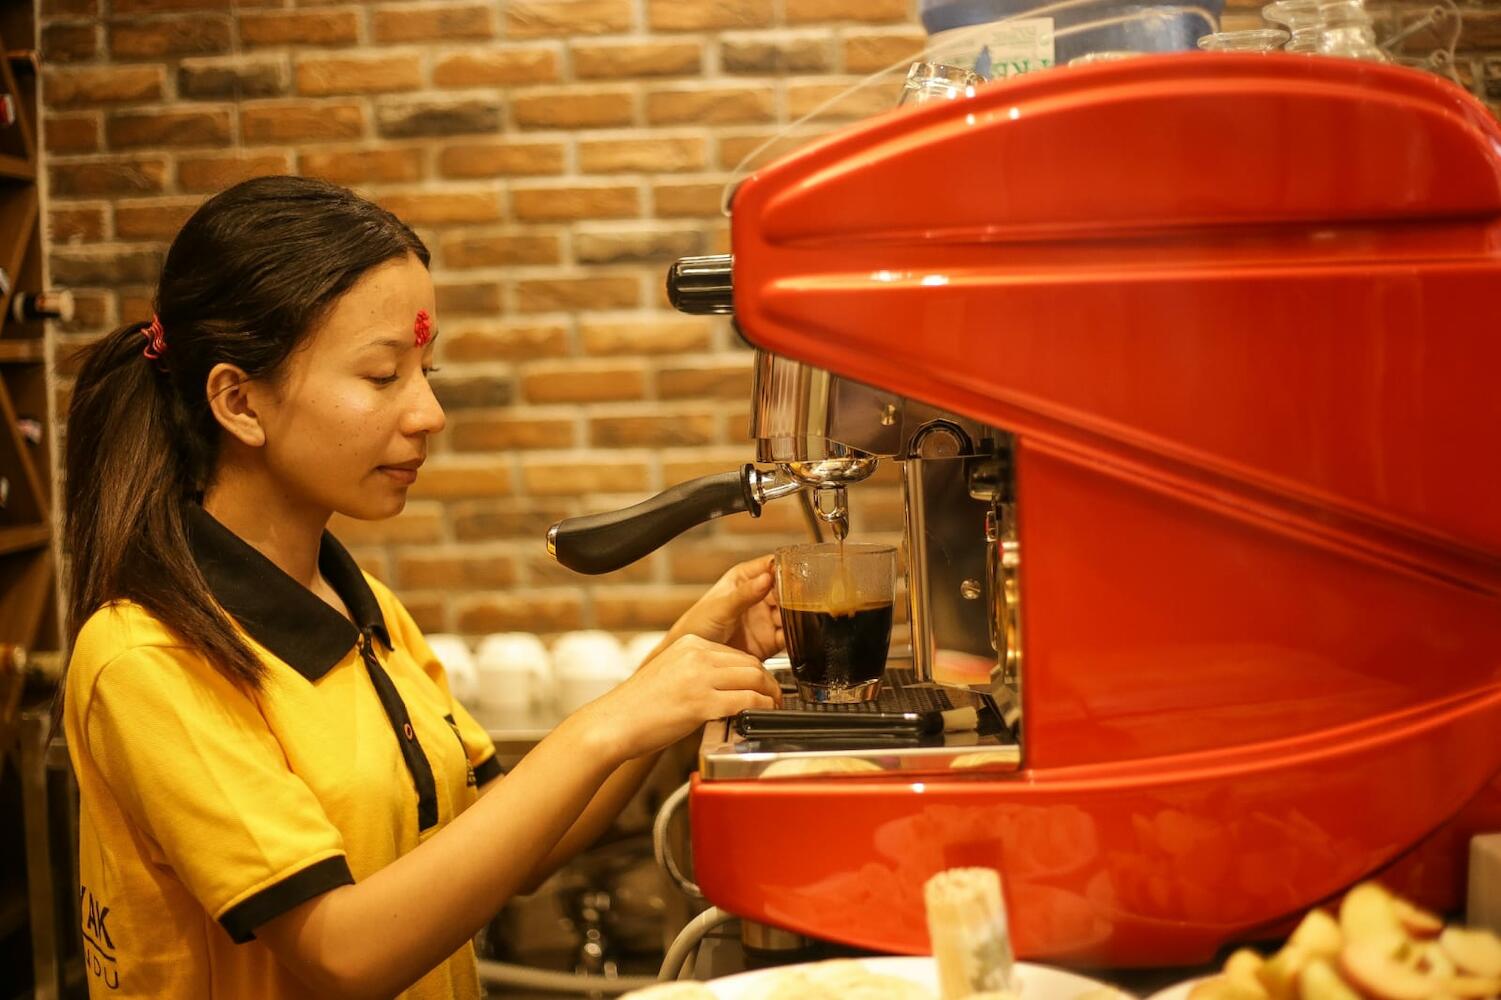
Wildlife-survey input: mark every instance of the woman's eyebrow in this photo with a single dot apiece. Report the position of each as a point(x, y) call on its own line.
point(395, 344)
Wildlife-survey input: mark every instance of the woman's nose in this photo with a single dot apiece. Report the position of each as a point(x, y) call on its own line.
point(425, 415)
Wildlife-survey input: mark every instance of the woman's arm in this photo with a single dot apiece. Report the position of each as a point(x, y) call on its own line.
point(378, 936)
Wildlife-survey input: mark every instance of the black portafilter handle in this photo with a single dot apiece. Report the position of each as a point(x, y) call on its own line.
point(602, 543)
point(702, 286)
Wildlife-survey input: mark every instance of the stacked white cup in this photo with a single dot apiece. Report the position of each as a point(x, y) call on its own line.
point(514, 672)
point(458, 663)
point(585, 666)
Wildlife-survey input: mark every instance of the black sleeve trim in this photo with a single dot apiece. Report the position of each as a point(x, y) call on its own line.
point(244, 917)
point(488, 769)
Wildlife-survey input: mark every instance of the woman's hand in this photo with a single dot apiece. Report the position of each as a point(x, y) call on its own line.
point(688, 683)
point(739, 611)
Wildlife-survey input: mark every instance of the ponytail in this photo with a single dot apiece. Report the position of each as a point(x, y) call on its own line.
point(131, 473)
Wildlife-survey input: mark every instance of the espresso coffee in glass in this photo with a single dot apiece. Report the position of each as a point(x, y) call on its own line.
point(836, 602)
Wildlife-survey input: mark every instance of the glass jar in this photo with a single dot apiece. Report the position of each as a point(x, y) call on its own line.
point(1254, 40)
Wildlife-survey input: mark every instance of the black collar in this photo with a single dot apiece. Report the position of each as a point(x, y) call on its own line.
point(281, 614)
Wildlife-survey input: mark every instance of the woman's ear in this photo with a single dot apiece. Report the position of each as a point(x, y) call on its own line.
point(231, 399)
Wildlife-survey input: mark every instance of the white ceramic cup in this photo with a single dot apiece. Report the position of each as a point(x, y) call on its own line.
point(458, 663)
point(514, 671)
point(585, 666)
point(639, 647)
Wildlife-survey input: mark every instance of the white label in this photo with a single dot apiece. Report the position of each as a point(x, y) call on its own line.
point(998, 49)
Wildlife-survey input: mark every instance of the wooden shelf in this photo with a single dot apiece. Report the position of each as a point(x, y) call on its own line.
point(17, 168)
point(24, 537)
point(22, 351)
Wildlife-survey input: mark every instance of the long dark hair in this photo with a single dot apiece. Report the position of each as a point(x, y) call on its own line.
point(248, 276)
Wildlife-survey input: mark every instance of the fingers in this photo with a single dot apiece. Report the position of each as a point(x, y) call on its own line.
point(750, 679)
point(733, 702)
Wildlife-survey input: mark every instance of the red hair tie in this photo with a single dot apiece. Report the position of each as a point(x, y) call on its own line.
point(156, 340)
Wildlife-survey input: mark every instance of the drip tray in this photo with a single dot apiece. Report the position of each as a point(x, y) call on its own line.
point(725, 755)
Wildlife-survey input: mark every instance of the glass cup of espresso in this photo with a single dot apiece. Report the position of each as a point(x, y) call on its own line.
point(836, 614)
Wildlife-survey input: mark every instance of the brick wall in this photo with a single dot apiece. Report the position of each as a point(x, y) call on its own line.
point(555, 155)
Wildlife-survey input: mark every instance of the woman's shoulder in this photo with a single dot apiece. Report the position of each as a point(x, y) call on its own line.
point(119, 629)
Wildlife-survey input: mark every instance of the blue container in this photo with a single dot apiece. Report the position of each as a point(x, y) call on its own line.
point(1152, 28)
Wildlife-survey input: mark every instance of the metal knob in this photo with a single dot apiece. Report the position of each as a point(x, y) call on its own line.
point(702, 286)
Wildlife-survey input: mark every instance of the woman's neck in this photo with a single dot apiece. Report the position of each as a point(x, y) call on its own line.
point(285, 531)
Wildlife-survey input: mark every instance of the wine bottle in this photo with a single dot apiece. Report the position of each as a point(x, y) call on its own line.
point(28, 307)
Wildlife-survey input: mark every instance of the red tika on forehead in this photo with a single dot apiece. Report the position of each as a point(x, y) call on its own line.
point(422, 328)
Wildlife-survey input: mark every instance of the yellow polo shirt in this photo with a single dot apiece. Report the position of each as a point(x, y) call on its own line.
point(207, 811)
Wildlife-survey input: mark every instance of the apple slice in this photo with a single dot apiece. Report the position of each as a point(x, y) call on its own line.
point(1468, 987)
point(1319, 933)
point(1415, 920)
point(1477, 952)
point(1243, 966)
point(1377, 974)
point(1279, 974)
point(1225, 988)
point(1319, 981)
point(1367, 912)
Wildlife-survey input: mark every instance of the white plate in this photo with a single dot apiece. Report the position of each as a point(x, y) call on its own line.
point(1178, 991)
point(1038, 982)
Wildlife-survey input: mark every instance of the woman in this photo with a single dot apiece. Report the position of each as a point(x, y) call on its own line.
point(279, 795)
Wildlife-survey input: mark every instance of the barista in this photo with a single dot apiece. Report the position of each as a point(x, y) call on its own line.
point(279, 794)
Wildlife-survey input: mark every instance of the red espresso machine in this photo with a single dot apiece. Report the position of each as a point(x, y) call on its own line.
point(1214, 334)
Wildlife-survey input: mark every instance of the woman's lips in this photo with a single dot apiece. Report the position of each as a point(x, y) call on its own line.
point(404, 476)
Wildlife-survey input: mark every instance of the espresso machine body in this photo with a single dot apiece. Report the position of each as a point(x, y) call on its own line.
point(1187, 362)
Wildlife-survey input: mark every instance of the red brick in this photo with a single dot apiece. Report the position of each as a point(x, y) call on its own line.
point(465, 250)
point(468, 297)
point(708, 15)
point(496, 68)
point(363, 166)
point(840, 101)
point(573, 383)
point(868, 53)
point(532, 611)
point(75, 224)
point(666, 334)
point(63, 43)
point(215, 173)
point(301, 122)
point(380, 75)
point(584, 473)
point(152, 219)
point(688, 200)
point(663, 154)
point(574, 108)
point(449, 568)
point(124, 175)
point(618, 61)
point(72, 133)
point(654, 430)
point(653, 244)
point(449, 477)
point(724, 381)
point(103, 85)
point(425, 208)
point(869, 11)
point(177, 36)
point(322, 27)
point(546, 204)
point(504, 342)
point(162, 6)
point(135, 129)
point(569, 294)
point(712, 105)
point(540, 18)
point(642, 607)
point(478, 431)
point(488, 520)
point(501, 159)
point(432, 22)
